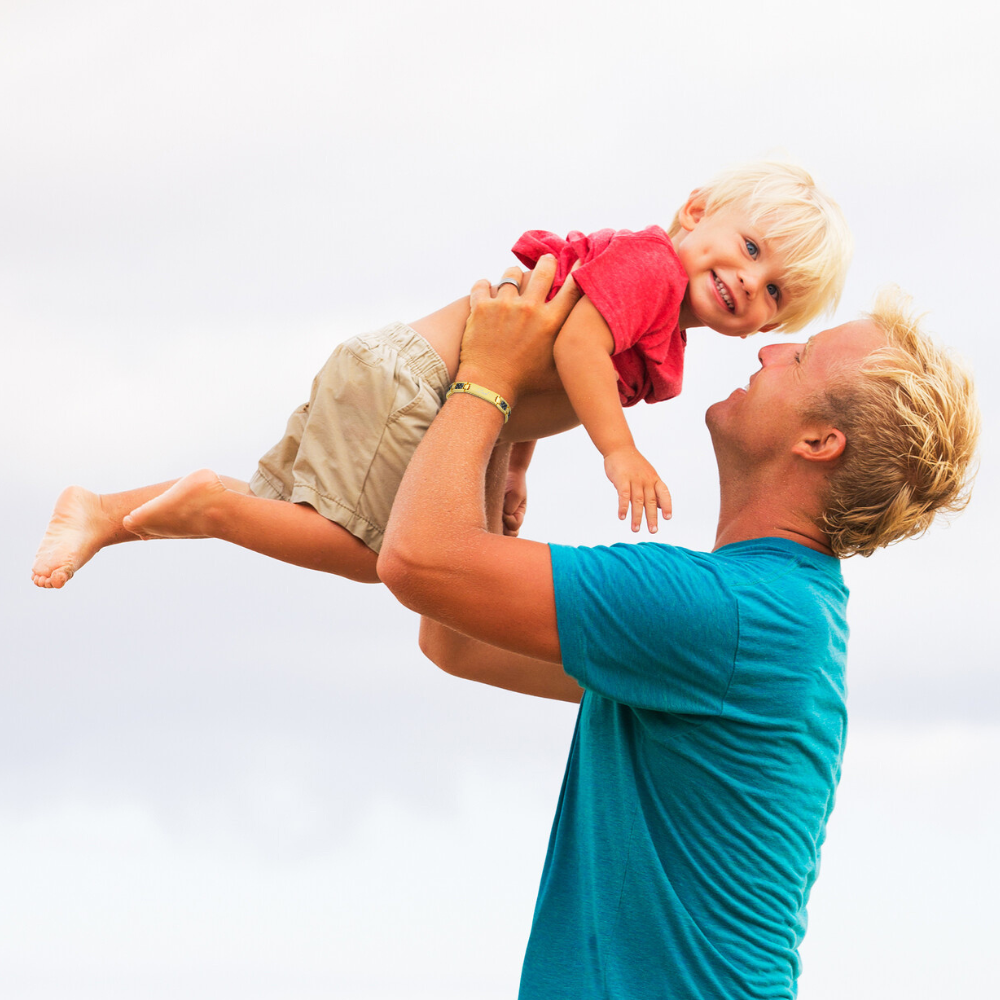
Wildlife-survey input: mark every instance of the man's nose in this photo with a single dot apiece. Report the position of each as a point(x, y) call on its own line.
point(770, 353)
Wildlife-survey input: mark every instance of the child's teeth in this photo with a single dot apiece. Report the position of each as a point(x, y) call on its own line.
point(723, 292)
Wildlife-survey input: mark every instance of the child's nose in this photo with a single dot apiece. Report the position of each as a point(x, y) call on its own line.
point(750, 283)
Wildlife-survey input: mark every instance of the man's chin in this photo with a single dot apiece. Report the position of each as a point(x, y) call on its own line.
point(713, 418)
point(716, 408)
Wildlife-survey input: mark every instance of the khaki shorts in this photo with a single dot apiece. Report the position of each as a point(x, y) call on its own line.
point(344, 452)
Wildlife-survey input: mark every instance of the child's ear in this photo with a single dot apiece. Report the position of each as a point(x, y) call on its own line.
point(769, 328)
point(693, 210)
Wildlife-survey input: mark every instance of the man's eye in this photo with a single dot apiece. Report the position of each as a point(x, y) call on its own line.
point(798, 357)
point(752, 248)
point(772, 290)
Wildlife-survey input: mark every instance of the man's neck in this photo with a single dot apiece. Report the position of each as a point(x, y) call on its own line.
point(768, 510)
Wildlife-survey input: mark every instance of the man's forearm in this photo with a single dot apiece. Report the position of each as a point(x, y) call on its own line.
point(520, 455)
point(474, 660)
point(440, 506)
point(438, 557)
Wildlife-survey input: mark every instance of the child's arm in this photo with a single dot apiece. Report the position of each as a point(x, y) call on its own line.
point(515, 500)
point(583, 352)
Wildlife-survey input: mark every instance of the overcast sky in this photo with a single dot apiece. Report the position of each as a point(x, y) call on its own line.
point(224, 777)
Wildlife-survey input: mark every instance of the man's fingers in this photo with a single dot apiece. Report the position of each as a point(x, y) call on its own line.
point(561, 304)
point(512, 274)
point(541, 278)
point(568, 295)
point(480, 290)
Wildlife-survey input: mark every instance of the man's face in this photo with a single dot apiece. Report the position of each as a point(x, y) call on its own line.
point(768, 416)
point(735, 277)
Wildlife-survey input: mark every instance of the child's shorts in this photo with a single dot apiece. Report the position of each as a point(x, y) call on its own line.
point(344, 452)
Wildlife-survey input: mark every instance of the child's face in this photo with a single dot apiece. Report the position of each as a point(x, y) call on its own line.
point(734, 277)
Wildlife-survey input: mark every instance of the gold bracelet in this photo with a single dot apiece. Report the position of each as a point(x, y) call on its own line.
point(480, 393)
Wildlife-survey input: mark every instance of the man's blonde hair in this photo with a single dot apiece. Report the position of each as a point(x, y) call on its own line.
point(912, 424)
point(797, 219)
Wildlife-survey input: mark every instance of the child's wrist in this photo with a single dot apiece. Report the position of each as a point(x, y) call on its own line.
point(620, 448)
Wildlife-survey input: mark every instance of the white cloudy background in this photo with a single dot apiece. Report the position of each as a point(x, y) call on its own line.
point(224, 777)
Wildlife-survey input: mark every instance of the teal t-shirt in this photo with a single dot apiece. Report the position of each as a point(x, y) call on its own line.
point(702, 772)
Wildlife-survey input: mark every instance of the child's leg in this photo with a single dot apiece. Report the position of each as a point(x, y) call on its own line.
point(83, 523)
point(201, 506)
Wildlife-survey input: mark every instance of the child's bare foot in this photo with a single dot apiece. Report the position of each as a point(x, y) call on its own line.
point(184, 511)
point(78, 530)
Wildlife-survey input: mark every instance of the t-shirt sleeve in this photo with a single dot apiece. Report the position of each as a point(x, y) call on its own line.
point(637, 285)
point(650, 626)
point(536, 243)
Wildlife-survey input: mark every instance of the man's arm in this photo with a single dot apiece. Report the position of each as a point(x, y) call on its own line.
point(439, 557)
point(474, 660)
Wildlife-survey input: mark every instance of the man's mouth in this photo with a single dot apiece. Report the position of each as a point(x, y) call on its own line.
point(723, 292)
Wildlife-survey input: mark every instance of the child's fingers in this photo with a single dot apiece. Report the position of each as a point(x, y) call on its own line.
point(663, 499)
point(651, 504)
point(624, 496)
point(637, 506)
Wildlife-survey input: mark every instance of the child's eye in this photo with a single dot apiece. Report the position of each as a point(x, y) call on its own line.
point(752, 248)
point(772, 290)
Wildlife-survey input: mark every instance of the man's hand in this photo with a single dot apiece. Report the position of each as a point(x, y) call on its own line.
point(515, 498)
point(515, 501)
point(508, 339)
point(637, 483)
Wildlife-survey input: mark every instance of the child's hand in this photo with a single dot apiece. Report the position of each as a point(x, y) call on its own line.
point(515, 501)
point(637, 483)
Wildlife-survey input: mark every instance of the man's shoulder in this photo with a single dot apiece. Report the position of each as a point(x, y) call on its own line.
point(643, 573)
point(772, 557)
point(735, 569)
point(767, 554)
point(631, 556)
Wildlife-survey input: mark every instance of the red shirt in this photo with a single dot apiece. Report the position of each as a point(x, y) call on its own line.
point(637, 284)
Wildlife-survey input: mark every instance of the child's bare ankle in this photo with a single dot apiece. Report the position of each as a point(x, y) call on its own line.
point(192, 508)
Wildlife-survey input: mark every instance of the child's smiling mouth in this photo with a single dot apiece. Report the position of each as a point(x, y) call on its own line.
point(723, 292)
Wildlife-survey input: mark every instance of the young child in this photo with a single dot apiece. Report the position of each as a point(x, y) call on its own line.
point(759, 248)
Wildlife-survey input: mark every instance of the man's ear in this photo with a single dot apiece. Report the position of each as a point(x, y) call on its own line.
point(821, 444)
point(693, 210)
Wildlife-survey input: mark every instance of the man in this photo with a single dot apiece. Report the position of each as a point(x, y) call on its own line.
point(711, 726)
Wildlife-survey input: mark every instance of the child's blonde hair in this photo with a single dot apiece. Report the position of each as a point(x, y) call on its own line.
point(797, 218)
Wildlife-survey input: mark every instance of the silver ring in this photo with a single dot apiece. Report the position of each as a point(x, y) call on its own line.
point(509, 281)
